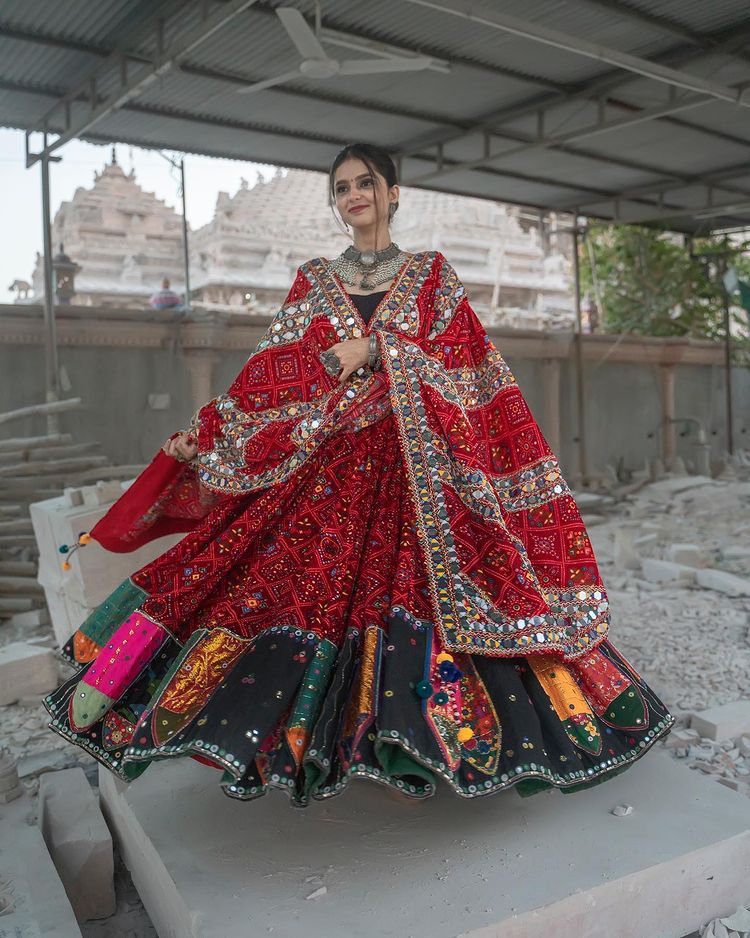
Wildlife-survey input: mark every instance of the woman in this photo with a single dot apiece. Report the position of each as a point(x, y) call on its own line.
point(383, 573)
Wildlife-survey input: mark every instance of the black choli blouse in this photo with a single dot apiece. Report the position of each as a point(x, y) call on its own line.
point(367, 303)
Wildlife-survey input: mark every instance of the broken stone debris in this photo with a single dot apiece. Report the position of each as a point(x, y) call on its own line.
point(723, 582)
point(689, 554)
point(725, 722)
point(736, 925)
point(665, 571)
point(25, 669)
point(622, 810)
point(10, 785)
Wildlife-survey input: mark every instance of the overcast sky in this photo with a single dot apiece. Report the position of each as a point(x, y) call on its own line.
point(22, 195)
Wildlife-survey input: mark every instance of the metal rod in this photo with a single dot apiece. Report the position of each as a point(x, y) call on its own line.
point(580, 398)
point(728, 371)
point(186, 256)
point(52, 371)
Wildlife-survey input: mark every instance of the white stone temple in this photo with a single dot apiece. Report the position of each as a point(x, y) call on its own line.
point(127, 241)
point(124, 239)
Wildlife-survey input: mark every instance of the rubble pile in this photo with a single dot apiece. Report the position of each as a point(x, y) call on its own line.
point(674, 556)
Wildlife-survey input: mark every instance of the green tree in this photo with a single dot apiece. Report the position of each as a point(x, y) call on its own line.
point(649, 282)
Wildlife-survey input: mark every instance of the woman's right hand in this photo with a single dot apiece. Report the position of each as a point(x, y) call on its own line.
point(183, 446)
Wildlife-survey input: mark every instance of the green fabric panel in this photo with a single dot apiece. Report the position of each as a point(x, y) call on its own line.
point(315, 775)
point(313, 687)
point(531, 786)
point(395, 761)
point(626, 710)
point(110, 614)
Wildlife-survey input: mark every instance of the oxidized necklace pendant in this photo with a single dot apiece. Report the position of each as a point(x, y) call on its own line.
point(373, 267)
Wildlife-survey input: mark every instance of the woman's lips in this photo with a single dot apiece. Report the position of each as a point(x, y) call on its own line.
point(358, 208)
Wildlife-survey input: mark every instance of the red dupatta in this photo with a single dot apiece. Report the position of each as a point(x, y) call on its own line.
point(477, 463)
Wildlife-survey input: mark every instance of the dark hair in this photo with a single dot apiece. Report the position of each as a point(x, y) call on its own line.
point(375, 158)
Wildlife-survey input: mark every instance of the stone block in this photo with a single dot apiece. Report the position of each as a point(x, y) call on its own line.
point(625, 555)
point(664, 571)
point(678, 739)
point(690, 554)
point(725, 722)
point(36, 904)
point(498, 867)
point(736, 552)
point(723, 582)
point(666, 489)
point(79, 842)
point(30, 619)
point(24, 670)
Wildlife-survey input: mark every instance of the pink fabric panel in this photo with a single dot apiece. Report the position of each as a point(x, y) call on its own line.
point(124, 656)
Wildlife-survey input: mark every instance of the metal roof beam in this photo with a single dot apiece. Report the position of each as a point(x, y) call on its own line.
point(709, 210)
point(555, 141)
point(164, 60)
point(581, 47)
point(715, 179)
point(654, 21)
point(600, 194)
point(724, 41)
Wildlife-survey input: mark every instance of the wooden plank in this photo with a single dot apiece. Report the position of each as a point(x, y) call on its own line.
point(50, 452)
point(11, 604)
point(20, 585)
point(108, 474)
point(17, 540)
point(56, 467)
point(18, 526)
point(35, 442)
point(52, 407)
point(18, 568)
point(32, 493)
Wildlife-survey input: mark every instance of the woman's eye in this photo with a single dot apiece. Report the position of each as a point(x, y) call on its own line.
point(367, 182)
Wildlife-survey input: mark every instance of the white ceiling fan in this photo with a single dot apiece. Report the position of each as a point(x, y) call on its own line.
point(316, 63)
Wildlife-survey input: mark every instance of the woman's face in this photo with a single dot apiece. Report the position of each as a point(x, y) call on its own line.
point(362, 200)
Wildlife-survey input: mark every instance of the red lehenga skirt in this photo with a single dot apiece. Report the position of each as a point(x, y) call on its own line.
point(289, 641)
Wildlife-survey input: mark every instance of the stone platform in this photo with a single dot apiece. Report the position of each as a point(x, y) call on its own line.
point(367, 864)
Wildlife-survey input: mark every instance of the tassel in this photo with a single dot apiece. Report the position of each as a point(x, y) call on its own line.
point(70, 549)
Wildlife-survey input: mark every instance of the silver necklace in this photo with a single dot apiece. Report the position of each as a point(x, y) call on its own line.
point(374, 266)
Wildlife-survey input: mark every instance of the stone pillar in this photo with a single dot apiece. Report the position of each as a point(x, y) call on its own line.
point(201, 364)
point(551, 413)
point(668, 427)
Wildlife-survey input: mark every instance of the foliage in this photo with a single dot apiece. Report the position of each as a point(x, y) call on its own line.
point(649, 282)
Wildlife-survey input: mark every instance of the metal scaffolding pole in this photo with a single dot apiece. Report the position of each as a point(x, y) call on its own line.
point(580, 397)
point(729, 408)
point(186, 257)
point(52, 369)
point(185, 245)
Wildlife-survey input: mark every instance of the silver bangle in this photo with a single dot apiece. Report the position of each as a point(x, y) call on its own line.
point(373, 356)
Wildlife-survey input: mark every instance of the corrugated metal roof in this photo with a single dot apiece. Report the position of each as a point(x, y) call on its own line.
point(494, 89)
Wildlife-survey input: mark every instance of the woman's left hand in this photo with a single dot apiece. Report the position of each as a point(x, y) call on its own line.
point(353, 354)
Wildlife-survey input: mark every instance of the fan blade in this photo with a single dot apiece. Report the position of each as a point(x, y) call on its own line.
point(383, 66)
point(300, 33)
point(267, 83)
